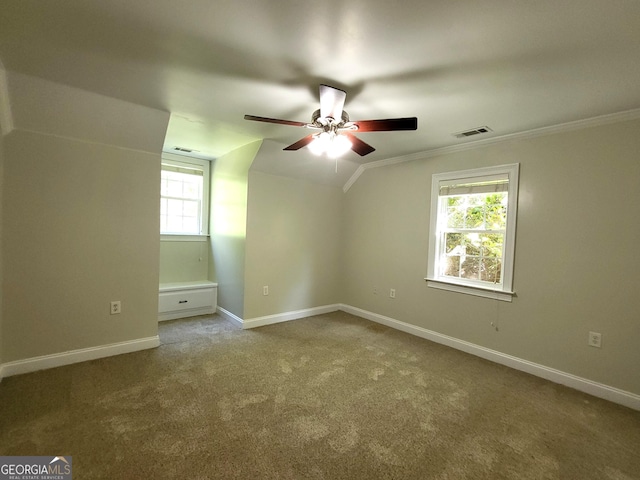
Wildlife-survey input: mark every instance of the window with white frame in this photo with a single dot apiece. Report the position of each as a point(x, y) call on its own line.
point(184, 196)
point(472, 235)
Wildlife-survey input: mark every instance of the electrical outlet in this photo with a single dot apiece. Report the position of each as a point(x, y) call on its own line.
point(392, 293)
point(265, 290)
point(595, 339)
point(375, 290)
point(116, 308)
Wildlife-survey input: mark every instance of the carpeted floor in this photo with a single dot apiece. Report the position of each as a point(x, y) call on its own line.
point(328, 397)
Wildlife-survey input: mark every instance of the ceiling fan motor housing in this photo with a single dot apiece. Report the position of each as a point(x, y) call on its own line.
point(323, 122)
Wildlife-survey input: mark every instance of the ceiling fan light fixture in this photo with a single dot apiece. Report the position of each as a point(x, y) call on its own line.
point(320, 143)
point(339, 146)
point(329, 143)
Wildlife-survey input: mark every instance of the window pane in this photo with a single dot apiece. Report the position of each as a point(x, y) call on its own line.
point(475, 199)
point(174, 188)
point(174, 224)
point(190, 208)
point(496, 217)
point(470, 268)
point(490, 270)
point(451, 267)
point(492, 245)
point(474, 217)
point(472, 244)
point(174, 207)
point(455, 201)
point(192, 188)
point(453, 241)
point(495, 198)
point(455, 217)
point(474, 256)
point(190, 225)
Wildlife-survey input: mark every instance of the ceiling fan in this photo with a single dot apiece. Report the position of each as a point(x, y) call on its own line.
point(335, 135)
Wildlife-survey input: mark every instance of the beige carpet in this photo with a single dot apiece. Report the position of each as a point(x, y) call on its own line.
point(328, 397)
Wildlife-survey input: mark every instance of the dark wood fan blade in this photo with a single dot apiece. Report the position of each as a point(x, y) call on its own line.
point(387, 125)
point(303, 142)
point(358, 146)
point(331, 102)
point(274, 120)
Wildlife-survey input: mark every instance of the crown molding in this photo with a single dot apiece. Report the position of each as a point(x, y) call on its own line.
point(623, 116)
point(353, 178)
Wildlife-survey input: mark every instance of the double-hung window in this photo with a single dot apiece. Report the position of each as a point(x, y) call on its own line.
point(184, 196)
point(472, 235)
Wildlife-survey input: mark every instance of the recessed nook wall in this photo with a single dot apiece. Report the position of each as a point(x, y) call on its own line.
point(229, 179)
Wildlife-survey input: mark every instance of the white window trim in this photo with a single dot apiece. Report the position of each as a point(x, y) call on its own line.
point(205, 166)
point(505, 293)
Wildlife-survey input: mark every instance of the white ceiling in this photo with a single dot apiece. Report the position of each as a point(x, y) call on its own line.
point(513, 65)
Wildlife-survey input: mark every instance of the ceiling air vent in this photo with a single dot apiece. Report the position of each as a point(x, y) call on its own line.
point(472, 132)
point(182, 149)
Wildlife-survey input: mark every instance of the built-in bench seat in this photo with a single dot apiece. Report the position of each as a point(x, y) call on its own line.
point(187, 299)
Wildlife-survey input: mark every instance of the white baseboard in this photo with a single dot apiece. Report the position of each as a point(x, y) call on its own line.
point(74, 356)
point(286, 316)
point(596, 389)
point(229, 316)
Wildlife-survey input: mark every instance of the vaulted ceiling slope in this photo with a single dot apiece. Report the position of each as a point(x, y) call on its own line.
point(510, 65)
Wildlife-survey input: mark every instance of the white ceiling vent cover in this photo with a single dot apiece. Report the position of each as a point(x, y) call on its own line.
point(472, 132)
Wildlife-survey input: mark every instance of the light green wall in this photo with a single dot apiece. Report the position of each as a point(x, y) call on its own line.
point(1, 239)
point(80, 226)
point(182, 261)
point(81, 219)
point(577, 262)
point(229, 178)
point(293, 245)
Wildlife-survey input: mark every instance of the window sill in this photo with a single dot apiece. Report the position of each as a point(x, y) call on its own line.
point(172, 237)
point(501, 295)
